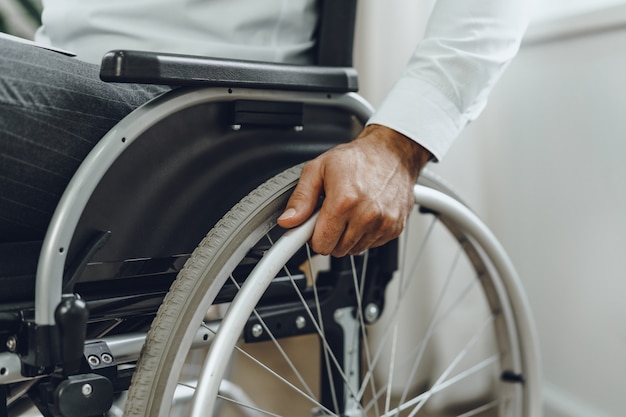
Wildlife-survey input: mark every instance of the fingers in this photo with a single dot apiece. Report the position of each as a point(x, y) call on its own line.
point(347, 224)
point(367, 186)
point(304, 198)
point(366, 227)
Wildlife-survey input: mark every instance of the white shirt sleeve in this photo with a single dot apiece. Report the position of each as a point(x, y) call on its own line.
point(466, 47)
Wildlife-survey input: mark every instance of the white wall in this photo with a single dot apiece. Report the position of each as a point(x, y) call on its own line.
point(550, 181)
point(549, 9)
point(386, 35)
point(545, 166)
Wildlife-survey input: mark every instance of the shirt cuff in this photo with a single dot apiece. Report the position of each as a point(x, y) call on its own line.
point(421, 112)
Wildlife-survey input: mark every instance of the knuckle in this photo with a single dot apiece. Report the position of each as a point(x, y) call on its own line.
point(390, 224)
point(368, 216)
point(318, 246)
point(310, 166)
point(348, 202)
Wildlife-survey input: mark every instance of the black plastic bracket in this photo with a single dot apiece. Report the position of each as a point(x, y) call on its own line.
point(84, 395)
point(38, 347)
point(71, 317)
point(4, 394)
point(512, 377)
point(42, 348)
point(99, 359)
point(267, 113)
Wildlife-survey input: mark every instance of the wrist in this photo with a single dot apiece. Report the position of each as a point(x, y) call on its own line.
point(408, 150)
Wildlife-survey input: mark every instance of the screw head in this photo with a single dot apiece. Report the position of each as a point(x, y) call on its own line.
point(300, 322)
point(12, 344)
point(372, 312)
point(106, 358)
point(257, 330)
point(86, 390)
point(93, 360)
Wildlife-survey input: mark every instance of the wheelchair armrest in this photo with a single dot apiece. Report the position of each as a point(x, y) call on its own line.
point(186, 70)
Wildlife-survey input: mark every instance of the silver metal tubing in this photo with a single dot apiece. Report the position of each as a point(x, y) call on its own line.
point(524, 362)
point(48, 285)
point(10, 368)
point(529, 364)
point(250, 293)
point(125, 348)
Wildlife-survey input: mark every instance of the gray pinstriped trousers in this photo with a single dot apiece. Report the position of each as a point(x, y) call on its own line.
point(53, 110)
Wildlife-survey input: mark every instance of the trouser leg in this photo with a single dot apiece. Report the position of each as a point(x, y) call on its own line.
point(53, 110)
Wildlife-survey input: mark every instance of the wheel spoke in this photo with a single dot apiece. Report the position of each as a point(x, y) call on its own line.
point(247, 406)
point(396, 378)
point(392, 362)
point(490, 361)
point(396, 308)
point(320, 320)
point(437, 386)
point(285, 381)
point(328, 352)
point(309, 396)
point(364, 335)
point(322, 336)
point(284, 355)
point(432, 324)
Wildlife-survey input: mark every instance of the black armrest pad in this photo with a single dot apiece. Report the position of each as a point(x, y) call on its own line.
point(185, 70)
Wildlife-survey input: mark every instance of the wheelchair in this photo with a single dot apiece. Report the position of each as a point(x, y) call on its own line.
point(130, 303)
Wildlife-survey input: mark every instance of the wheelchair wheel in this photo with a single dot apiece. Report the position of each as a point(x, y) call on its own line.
point(433, 324)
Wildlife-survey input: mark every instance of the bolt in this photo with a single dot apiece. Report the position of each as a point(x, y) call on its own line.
point(372, 312)
point(257, 330)
point(106, 358)
point(300, 322)
point(298, 128)
point(12, 344)
point(93, 360)
point(87, 390)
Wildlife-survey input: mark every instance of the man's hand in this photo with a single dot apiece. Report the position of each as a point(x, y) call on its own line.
point(367, 186)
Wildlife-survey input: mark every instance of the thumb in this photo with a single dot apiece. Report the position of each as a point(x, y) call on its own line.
point(303, 200)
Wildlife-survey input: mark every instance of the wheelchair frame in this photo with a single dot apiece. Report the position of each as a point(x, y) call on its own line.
point(50, 269)
point(320, 86)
